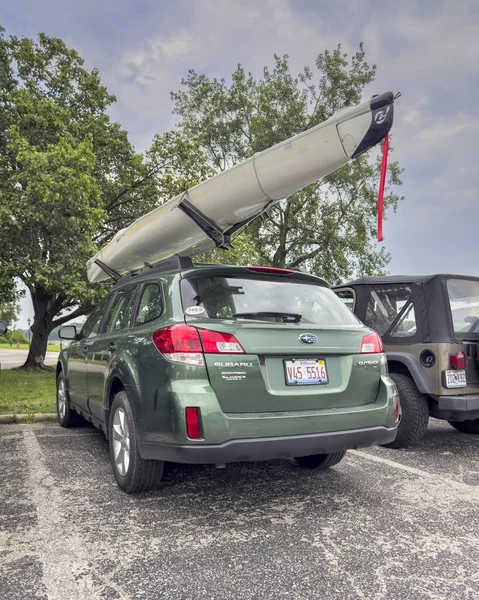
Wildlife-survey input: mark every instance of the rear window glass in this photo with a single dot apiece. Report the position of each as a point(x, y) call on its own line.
point(384, 305)
point(406, 326)
point(347, 298)
point(464, 301)
point(273, 299)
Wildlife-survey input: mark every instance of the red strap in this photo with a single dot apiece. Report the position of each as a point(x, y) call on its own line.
point(382, 181)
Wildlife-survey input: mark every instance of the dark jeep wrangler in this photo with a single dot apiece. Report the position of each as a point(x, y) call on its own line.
point(430, 329)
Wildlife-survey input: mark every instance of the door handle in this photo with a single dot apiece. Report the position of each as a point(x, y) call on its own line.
point(111, 347)
point(85, 350)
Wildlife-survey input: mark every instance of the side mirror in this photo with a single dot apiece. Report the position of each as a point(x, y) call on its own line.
point(3, 328)
point(68, 332)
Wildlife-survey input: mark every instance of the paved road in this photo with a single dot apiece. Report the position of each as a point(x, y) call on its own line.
point(15, 358)
point(383, 524)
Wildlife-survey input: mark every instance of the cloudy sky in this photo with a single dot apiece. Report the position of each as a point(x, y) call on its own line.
point(428, 50)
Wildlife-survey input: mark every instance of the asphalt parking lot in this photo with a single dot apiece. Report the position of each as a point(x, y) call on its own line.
point(383, 524)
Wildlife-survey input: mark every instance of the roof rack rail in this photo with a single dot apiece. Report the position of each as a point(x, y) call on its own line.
point(172, 263)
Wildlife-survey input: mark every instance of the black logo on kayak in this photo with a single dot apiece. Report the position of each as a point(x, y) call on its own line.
point(307, 338)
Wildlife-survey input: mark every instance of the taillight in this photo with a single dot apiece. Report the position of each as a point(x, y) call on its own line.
point(180, 343)
point(372, 344)
point(192, 418)
point(215, 342)
point(458, 360)
point(271, 270)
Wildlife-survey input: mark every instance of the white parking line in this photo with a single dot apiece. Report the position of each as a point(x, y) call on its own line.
point(455, 486)
point(66, 569)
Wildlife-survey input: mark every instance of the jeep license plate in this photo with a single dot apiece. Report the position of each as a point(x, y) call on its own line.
point(455, 379)
point(303, 371)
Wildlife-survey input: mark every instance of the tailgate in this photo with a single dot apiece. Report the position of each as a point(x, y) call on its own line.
point(257, 381)
point(269, 311)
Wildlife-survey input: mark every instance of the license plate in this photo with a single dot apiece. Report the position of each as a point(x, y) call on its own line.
point(455, 379)
point(306, 371)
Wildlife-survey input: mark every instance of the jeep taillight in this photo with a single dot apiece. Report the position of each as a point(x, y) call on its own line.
point(215, 342)
point(181, 344)
point(458, 361)
point(372, 344)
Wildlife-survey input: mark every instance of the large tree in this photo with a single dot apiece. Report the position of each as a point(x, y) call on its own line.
point(69, 178)
point(328, 226)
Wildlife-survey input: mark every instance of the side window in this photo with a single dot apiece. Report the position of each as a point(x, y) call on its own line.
point(384, 305)
point(151, 304)
point(406, 326)
point(119, 315)
point(347, 297)
point(92, 324)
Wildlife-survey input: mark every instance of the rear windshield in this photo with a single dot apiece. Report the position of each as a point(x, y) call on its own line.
point(273, 299)
point(464, 301)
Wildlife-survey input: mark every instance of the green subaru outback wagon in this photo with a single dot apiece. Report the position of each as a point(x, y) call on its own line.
point(213, 364)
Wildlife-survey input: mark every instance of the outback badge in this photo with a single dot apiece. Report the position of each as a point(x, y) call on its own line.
point(308, 338)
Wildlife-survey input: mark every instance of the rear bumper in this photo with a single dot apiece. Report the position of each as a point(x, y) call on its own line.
point(268, 448)
point(456, 408)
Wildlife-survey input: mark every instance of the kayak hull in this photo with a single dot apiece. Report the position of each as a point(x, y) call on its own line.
point(245, 190)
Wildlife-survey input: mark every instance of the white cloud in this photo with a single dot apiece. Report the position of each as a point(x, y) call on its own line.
point(445, 129)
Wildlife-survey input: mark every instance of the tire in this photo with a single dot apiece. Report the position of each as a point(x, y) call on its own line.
point(466, 426)
point(66, 416)
point(320, 461)
point(133, 474)
point(415, 412)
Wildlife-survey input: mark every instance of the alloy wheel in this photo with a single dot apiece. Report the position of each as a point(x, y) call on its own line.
point(61, 399)
point(121, 442)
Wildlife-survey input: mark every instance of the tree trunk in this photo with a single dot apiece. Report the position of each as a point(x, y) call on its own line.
point(46, 307)
point(41, 328)
point(280, 255)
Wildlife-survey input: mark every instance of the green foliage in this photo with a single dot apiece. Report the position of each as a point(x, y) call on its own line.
point(326, 227)
point(52, 121)
point(69, 178)
point(173, 164)
point(9, 312)
point(18, 337)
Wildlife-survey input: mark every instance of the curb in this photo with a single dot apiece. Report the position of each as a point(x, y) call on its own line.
point(35, 418)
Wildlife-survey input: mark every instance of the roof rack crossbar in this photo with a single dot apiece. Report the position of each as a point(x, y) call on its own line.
point(221, 239)
point(210, 228)
point(108, 270)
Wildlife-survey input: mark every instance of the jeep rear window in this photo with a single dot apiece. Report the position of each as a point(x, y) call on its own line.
point(384, 305)
point(266, 299)
point(464, 302)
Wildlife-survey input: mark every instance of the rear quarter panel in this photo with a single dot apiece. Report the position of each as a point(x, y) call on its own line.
point(429, 380)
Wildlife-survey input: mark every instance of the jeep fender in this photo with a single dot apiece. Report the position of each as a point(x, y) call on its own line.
point(415, 369)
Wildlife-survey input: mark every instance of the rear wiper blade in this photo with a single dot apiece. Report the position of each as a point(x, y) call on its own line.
point(284, 316)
